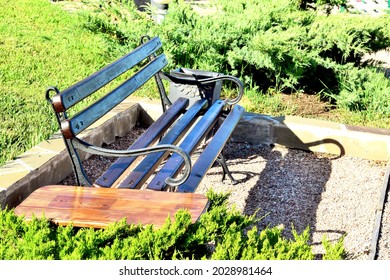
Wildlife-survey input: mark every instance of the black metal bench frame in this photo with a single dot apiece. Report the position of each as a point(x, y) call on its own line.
point(171, 139)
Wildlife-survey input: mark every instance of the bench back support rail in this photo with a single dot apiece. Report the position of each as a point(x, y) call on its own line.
point(72, 126)
point(179, 131)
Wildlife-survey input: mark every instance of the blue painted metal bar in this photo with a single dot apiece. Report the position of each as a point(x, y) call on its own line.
point(211, 152)
point(74, 94)
point(91, 114)
point(149, 164)
point(189, 144)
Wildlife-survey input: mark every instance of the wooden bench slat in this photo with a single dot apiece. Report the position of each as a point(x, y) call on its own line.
point(98, 207)
point(189, 144)
point(211, 152)
point(151, 135)
point(101, 107)
point(89, 85)
point(149, 164)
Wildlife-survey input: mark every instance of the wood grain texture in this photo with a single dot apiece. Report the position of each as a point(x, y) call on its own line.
point(98, 207)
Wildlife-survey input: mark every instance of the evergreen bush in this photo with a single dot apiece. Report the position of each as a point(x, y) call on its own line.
point(282, 46)
point(222, 233)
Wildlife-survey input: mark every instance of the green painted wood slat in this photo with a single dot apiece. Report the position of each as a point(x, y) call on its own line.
point(74, 94)
point(150, 136)
point(91, 114)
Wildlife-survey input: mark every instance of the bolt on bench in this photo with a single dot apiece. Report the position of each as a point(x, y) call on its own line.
point(159, 160)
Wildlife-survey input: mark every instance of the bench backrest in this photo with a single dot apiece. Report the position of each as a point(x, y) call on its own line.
point(62, 101)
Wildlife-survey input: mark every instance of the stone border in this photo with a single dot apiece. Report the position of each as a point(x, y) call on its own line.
point(48, 163)
point(315, 135)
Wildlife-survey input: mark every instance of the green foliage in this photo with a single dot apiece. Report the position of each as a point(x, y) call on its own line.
point(334, 251)
point(277, 46)
point(273, 46)
point(270, 245)
point(40, 45)
point(21, 240)
point(365, 91)
point(270, 103)
point(119, 21)
point(222, 233)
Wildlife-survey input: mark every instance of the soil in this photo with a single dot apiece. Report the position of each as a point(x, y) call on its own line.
point(307, 105)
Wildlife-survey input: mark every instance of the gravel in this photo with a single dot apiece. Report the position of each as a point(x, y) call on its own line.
point(336, 196)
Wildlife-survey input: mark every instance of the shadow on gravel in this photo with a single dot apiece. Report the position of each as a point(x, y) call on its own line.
point(289, 188)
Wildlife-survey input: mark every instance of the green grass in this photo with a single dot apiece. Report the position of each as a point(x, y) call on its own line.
point(40, 45)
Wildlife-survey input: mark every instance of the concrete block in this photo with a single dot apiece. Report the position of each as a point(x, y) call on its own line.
point(314, 135)
point(254, 129)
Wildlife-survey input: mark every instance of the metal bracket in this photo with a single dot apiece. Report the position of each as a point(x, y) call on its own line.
point(84, 146)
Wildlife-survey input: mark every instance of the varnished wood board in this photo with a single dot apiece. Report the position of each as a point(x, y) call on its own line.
point(98, 207)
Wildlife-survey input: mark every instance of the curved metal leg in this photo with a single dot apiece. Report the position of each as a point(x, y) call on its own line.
point(222, 161)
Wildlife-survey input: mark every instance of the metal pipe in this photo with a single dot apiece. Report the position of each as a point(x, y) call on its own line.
point(379, 213)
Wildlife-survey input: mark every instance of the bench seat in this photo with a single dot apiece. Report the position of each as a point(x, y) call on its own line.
point(187, 135)
point(98, 207)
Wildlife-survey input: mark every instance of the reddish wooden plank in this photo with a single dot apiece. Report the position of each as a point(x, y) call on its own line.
point(97, 207)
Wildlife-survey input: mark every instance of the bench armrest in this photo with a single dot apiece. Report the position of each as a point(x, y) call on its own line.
point(196, 80)
point(173, 182)
point(237, 81)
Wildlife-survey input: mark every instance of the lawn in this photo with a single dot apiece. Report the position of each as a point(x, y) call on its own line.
point(40, 45)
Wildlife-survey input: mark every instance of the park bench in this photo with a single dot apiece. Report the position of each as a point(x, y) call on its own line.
point(159, 160)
